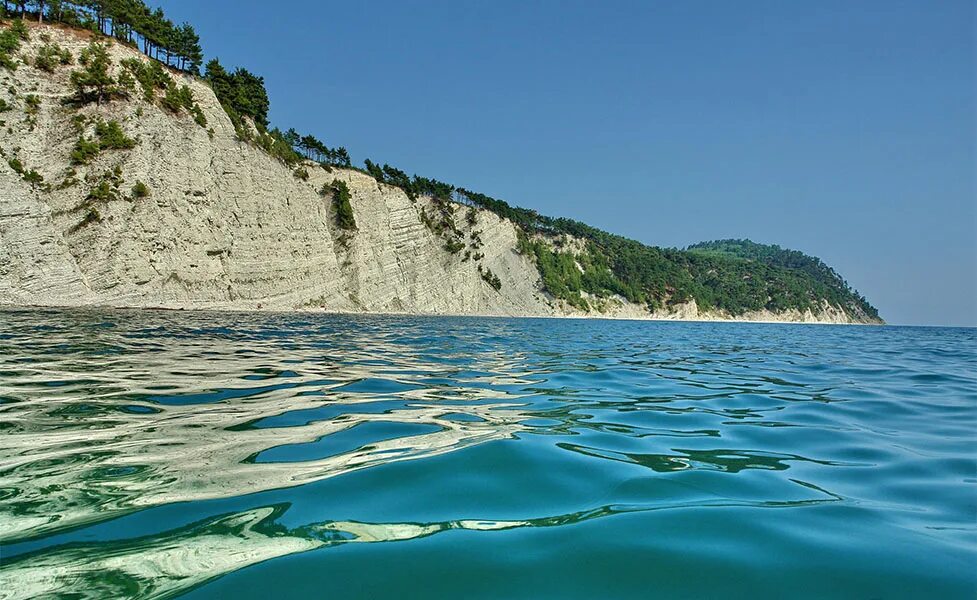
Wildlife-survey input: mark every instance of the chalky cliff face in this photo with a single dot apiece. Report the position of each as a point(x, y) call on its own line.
point(226, 226)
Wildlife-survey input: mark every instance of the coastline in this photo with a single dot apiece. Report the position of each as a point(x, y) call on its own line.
point(707, 318)
point(225, 225)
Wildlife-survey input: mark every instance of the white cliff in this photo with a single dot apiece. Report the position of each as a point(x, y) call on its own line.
point(227, 226)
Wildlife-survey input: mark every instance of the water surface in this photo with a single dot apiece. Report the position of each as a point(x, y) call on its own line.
point(208, 455)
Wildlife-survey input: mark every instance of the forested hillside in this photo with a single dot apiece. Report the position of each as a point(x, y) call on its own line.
point(735, 276)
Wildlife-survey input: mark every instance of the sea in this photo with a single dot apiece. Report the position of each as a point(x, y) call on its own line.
point(165, 454)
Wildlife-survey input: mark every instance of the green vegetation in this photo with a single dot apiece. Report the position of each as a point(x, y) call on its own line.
point(70, 179)
point(561, 275)
point(140, 190)
point(241, 93)
point(29, 175)
point(412, 187)
point(32, 106)
point(111, 137)
point(812, 279)
point(313, 149)
point(441, 221)
point(78, 122)
point(753, 277)
point(130, 22)
point(84, 151)
point(340, 202)
point(454, 246)
point(150, 75)
point(199, 117)
point(92, 215)
point(244, 98)
point(176, 99)
point(152, 78)
point(92, 82)
point(491, 278)
point(105, 187)
point(108, 136)
point(10, 39)
point(33, 177)
point(50, 56)
point(102, 192)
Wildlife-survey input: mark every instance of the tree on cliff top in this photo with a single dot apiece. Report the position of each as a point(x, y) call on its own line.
point(129, 21)
point(240, 91)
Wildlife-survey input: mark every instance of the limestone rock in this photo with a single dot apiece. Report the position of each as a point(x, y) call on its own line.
point(226, 226)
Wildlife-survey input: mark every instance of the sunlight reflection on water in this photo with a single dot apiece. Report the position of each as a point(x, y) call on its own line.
point(144, 454)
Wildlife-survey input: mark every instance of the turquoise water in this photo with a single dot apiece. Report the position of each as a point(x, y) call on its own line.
point(207, 455)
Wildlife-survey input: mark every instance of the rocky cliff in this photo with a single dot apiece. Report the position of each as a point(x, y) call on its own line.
point(221, 224)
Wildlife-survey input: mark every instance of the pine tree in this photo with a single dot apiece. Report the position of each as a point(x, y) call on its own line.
point(292, 137)
point(93, 81)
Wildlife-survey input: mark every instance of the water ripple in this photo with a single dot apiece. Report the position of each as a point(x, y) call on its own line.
point(154, 454)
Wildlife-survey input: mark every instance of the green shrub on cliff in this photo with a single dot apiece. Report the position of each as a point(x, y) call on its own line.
point(275, 144)
point(150, 76)
point(32, 104)
point(29, 175)
point(199, 117)
point(92, 215)
point(84, 151)
point(108, 136)
point(50, 56)
point(140, 190)
point(341, 204)
point(33, 177)
point(105, 187)
point(454, 246)
point(111, 137)
point(101, 192)
point(10, 39)
point(490, 278)
point(70, 179)
point(177, 98)
point(19, 29)
point(92, 82)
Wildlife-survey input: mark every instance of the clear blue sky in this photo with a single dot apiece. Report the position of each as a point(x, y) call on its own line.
point(843, 129)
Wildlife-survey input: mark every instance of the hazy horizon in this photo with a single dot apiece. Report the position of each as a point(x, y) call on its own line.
point(842, 130)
